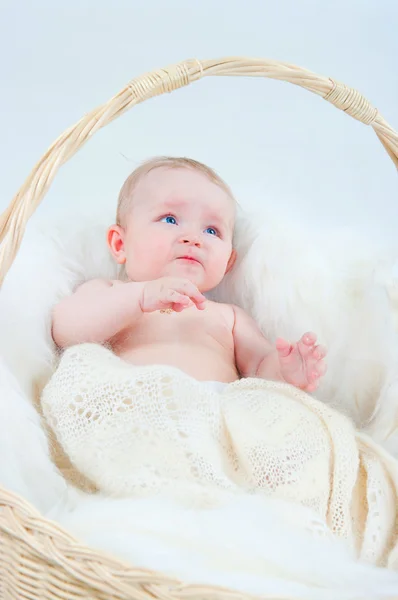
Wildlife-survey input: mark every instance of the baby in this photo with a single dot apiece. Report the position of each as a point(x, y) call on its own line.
point(179, 404)
point(174, 239)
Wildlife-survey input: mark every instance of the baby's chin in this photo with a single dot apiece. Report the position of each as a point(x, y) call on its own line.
point(194, 273)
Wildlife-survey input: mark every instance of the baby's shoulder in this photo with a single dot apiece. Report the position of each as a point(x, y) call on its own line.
point(92, 286)
point(223, 311)
point(233, 313)
point(98, 283)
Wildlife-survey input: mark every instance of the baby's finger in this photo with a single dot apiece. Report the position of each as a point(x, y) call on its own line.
point(311, 387)
point(308, 338)
point(198, 298)
point(316, 371)
point(319, 352)
point(320, 368)
point(172, 297)
point(283, 347)
point(187, 288)
point(178, 307)
point(306, 344)
point(313, 375)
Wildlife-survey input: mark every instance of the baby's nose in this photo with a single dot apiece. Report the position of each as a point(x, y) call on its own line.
point(191, 240)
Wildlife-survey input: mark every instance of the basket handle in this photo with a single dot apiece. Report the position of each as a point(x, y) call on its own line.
point(14, 219)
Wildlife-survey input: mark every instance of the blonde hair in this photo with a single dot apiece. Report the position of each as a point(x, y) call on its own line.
point(169, 162)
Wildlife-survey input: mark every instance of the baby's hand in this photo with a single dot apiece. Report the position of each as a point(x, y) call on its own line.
point(302, 364)
point(170, 292)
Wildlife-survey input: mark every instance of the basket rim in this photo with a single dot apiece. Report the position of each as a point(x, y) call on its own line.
point(14, 219)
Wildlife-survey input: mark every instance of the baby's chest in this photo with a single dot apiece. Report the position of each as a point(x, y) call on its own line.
point(191, 325)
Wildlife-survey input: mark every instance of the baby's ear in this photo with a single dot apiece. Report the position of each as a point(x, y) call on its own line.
point(115, 239)
point(231, 261)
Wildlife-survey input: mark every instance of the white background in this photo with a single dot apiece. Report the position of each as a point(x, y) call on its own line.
point(273, 142)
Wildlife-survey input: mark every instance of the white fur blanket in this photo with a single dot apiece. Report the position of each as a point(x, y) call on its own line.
point(290, 280)
point(267, 551)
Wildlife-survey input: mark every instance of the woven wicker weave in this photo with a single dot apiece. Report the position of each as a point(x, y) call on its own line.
point(38, 560)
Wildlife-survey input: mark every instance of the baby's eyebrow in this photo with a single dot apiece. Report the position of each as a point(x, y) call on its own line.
point(173, 202)
point(166, 204)
point(216, 217)
point(220, 220)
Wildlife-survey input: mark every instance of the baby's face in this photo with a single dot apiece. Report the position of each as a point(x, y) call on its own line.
point(180, 225)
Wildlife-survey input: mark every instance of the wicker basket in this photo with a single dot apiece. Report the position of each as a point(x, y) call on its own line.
point(38, 560)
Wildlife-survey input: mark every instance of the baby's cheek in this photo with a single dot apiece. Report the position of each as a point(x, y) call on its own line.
point(160, 248)
point(148, 254)
point(150, 244)
point(158, 252)
point(216, 270)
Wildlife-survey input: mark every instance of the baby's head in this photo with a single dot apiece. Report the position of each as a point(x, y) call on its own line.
point(175, 218)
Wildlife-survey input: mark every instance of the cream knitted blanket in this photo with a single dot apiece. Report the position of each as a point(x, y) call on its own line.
point(138, 431)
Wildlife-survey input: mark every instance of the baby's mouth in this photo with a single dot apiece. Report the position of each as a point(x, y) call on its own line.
point(190, 259)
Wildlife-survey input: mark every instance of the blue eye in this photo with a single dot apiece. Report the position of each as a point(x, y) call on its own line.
point(211, 231)
point(169, 219)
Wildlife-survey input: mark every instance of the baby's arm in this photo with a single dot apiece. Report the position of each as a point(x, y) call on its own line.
point(254, 354)
point(300, 364)
point(101, 309)
point(96, 312)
